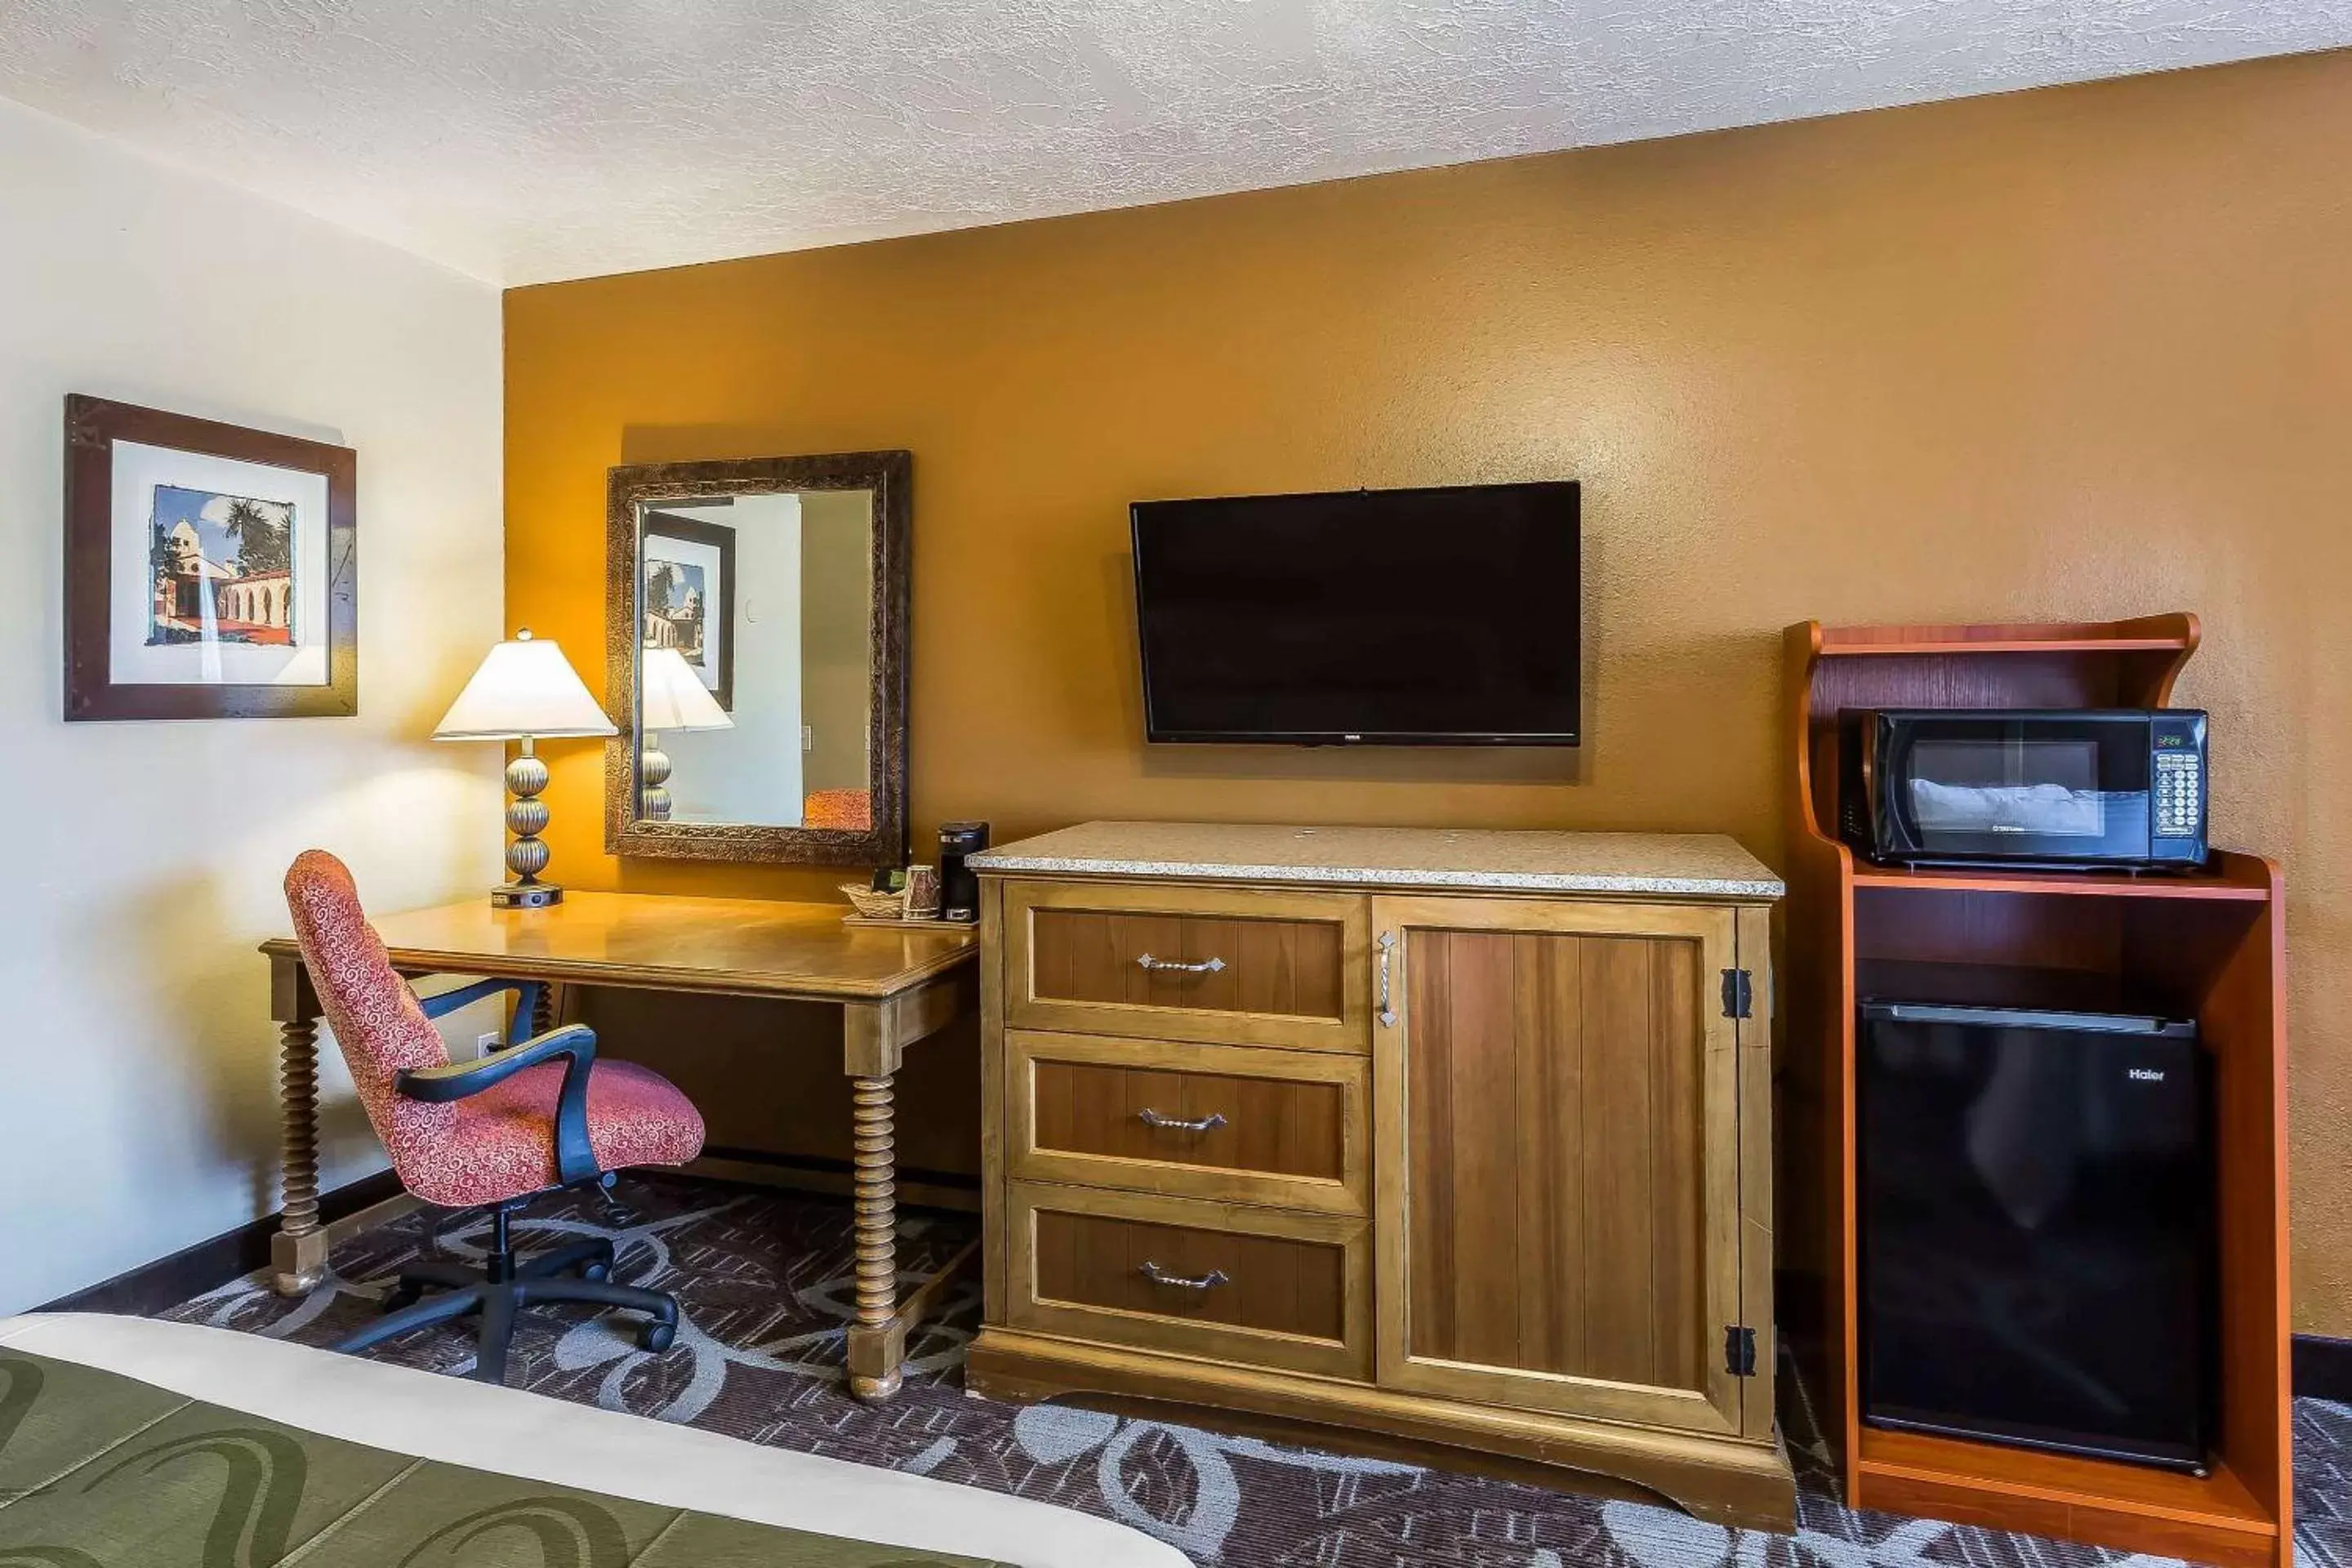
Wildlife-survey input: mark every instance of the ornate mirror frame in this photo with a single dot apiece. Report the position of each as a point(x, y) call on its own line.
point(889, 476)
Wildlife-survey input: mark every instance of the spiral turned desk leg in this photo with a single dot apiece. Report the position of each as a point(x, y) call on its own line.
point(298, 1251)
point(876, 1341)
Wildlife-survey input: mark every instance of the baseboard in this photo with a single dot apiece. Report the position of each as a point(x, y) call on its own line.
point(152, 1287)
point(2323, 1368)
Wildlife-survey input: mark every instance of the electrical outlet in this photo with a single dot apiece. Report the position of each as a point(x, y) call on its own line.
point(808, 737)
point(485, 1043)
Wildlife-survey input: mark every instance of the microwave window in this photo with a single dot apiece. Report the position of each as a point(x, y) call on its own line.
point(2045, 788)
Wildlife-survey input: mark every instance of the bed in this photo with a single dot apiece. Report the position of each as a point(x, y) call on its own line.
point(131, 1443)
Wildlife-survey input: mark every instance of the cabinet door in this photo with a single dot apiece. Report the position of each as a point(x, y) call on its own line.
point(1558, 1151)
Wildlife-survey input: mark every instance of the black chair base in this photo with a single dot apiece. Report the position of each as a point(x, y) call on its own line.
point(505, 1286)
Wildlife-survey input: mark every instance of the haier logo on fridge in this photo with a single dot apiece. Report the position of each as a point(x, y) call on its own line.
point(2147, 1075)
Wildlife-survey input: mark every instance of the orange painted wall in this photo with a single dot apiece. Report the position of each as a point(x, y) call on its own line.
point(2062, 355)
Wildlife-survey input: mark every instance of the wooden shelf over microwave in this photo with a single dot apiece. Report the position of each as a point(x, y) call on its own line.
point(2209, 945)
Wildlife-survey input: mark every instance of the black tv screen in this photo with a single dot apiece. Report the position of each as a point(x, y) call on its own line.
point(1376, 617)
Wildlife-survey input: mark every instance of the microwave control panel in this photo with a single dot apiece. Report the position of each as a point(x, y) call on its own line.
point(2176, 786)
point(2179, 794)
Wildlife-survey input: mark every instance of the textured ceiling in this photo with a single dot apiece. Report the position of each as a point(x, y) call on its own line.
point(526, 139)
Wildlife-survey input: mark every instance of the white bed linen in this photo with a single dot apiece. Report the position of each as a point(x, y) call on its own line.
point(515, 1433)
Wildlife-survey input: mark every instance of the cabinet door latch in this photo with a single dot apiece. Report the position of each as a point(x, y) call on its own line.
point(1738, 994)
point(1739, 1351)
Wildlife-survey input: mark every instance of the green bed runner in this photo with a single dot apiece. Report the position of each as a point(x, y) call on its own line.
point(98, 1470)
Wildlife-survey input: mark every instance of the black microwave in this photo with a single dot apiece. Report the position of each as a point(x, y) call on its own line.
point(2064, 789)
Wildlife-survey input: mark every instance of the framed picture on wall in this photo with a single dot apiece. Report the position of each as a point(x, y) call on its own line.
point(686, 594)
point(211, 570)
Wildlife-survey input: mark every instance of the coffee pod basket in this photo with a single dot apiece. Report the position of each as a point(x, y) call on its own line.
point(876, 906)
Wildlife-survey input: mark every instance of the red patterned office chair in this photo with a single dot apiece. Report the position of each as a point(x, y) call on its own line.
point(492, 1132)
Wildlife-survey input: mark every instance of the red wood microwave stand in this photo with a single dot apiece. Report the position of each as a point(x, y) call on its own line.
point(2215, 940)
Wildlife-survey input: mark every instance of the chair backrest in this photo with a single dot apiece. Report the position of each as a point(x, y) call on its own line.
point(373, 1014)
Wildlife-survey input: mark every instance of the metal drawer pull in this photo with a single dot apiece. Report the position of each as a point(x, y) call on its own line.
point(1168, 965)
point(1209, 1124)
point(1209, 1281)
point(1388, 951)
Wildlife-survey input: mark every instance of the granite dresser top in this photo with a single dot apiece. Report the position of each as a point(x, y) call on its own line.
point(1702, 864)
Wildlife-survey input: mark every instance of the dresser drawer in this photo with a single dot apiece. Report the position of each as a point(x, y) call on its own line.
point(1221, 1281)
point(1282, 1128)
point(1245, 966)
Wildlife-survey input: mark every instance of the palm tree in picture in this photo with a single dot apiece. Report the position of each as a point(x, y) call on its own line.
point(262, 535)
point(661, 586)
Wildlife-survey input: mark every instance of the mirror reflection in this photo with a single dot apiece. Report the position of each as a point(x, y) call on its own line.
point(755, 659)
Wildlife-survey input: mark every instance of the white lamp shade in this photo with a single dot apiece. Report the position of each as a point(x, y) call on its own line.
point(523, 689)
point(670, 696)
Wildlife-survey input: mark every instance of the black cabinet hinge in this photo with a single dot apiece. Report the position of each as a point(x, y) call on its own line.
point(1739, 1351)
point(1738, 994)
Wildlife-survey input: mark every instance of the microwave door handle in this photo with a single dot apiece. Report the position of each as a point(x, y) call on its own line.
point(1891, 806)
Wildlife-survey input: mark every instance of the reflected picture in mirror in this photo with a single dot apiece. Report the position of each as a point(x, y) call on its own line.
point(686, 594)
point(763, 674)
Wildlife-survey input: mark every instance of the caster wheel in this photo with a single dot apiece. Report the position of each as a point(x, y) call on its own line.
point(402, 1296)
point(596, 1273)
point(658, 1337)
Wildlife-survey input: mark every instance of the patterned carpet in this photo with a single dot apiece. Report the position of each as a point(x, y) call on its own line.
point(764, 1282)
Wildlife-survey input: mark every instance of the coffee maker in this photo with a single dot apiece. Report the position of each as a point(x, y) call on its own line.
point(959, 884)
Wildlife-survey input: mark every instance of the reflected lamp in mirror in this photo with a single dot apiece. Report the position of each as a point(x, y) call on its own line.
point(672, 697)
point(525, 690)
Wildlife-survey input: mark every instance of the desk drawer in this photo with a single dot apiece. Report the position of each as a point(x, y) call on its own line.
point(1221, 1281)
point(1240, 965)
point(1283, 1128)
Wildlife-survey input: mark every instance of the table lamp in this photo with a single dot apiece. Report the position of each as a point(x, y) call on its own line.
point(524, 691)
point(670, 696)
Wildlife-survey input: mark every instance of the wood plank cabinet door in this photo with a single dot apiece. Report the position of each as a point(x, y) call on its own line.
point(1558, 1142)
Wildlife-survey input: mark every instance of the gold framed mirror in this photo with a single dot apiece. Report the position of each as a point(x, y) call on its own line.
point(756, 637)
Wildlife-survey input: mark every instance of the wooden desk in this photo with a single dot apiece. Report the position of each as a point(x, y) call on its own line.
point(894, 988)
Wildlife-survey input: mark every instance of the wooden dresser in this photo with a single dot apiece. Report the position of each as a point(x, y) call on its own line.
point(1454, 1139)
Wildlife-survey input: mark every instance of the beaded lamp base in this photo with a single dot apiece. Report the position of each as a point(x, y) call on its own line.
point(526, 851)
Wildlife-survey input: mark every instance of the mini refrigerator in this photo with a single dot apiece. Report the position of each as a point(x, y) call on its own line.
point(2036, 1217)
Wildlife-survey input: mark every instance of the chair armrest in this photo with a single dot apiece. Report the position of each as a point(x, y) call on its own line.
point(575, 1161)
point(448, 1002)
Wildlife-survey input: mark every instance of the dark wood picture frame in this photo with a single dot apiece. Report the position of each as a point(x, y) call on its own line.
point(92, 425)
point(716, 536)
point(889, 476)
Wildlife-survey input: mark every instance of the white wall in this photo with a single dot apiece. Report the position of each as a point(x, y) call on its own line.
point(138, 1109)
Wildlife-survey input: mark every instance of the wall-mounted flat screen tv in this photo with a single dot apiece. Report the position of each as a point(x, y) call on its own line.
point(1365, 617)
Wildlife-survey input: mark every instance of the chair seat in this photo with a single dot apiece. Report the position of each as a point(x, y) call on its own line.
point(503, 1143)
